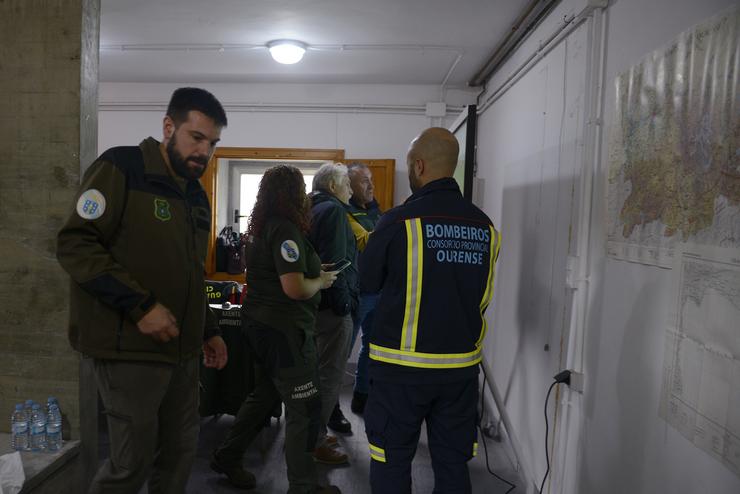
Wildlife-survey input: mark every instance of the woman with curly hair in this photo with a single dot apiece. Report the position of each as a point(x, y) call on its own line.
point(284, 278)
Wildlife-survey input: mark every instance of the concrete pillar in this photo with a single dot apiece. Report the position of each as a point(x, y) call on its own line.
point(48, 130)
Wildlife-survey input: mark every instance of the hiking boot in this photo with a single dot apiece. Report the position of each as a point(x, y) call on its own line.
point(238, 477)
point(329, 456)
point(338, 422)
point(358, 402)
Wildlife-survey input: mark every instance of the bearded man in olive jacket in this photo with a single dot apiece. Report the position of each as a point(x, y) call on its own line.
point(134, 246)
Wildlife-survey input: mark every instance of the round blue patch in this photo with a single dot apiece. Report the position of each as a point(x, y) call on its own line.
point(289, 251)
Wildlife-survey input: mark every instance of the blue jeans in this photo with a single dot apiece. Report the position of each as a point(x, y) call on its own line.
point(363, 318)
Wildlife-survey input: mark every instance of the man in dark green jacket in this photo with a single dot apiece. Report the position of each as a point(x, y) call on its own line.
point(364, 214)
point(135, 247)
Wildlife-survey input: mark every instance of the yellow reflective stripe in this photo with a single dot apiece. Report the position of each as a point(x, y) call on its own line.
point(419, 276)
point(409, 272)
point(376, 453)
point(475, 449)
point(498, 245)
point(488, 294)
point(414, 269)
point(425, 360)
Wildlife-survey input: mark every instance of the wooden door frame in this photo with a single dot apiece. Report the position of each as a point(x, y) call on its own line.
point(209, 181)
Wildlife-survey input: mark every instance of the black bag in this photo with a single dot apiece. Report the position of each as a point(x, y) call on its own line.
point(223, 241)
point(236, 261)
point(230, 252)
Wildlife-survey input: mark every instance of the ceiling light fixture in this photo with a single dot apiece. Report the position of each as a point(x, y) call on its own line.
point(287, 51)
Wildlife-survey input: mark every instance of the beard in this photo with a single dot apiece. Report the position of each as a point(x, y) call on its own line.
point(180, 163)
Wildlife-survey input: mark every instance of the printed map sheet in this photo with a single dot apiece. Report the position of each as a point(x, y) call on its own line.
point(674, 156)
point(701, 369)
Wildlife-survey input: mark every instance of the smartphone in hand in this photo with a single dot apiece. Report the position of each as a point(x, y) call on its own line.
point(338, 266)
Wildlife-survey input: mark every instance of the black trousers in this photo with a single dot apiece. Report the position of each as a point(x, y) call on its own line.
point(287, 371)
point(393, 417)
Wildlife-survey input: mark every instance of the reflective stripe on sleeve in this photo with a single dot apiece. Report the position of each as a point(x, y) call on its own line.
point(376, 453)
point(475, 449)
point(488, 294)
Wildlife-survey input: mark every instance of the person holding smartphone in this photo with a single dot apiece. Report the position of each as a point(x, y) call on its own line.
point(284, 279)
point(337, 267)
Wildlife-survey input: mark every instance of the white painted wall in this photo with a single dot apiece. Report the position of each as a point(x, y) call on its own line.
point(532, 153)
point(367, 121)
point(528, 157)
point(626, 446)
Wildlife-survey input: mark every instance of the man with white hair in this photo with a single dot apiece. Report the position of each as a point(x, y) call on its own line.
point(334, 242)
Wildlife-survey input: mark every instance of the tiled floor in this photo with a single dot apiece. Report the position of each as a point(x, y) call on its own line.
point(265, 459)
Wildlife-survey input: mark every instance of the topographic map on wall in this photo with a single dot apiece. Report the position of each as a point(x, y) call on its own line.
point(700, 396)
point(674, 161)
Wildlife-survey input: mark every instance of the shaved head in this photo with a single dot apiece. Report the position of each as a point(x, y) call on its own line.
point(437, 149)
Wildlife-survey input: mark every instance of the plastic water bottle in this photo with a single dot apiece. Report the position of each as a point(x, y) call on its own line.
point(49, 401)
point(28, 408)
point(19, 429)
point(53, 425)
point(38, 428)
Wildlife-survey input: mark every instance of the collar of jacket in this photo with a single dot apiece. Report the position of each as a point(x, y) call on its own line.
point(447, 183)
point(320, 196)
point(155, 169)
point(370, 205)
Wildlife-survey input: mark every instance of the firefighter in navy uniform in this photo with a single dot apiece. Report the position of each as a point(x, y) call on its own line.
point(434, 260)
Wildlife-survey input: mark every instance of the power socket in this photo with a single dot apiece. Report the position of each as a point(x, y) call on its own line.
point(576, 381)
point(573, 379)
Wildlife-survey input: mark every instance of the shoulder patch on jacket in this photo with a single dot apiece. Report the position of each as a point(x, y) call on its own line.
point(289, 251)
point(91, 204)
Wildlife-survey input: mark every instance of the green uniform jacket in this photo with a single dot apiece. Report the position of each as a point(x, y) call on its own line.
point(281, 248)
point(362, 220)
point(367, 216)
point(136, 237)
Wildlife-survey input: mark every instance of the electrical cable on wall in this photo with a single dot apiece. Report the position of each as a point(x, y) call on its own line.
point(483, 436)
point(561, 377)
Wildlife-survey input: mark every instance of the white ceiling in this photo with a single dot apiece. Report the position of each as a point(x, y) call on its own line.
point(352, 41)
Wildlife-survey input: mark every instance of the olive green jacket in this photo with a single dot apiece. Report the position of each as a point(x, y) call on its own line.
point(135, 237)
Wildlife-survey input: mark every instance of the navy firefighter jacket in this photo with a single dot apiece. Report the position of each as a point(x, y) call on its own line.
point(434, 259)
